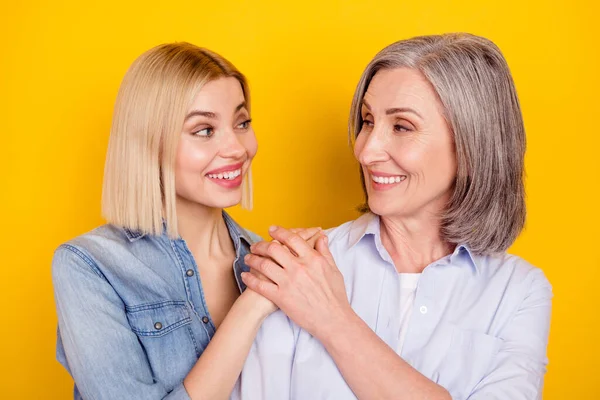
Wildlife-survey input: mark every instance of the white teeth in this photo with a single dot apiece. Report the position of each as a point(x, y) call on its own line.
point(388, 179)
point(226, 175)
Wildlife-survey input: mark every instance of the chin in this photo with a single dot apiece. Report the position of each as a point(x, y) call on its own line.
point(217, 200)
point(381, 208)
point(386, 207)
point(225, 203)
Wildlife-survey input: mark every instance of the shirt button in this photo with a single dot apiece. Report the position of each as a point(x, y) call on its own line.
point(423, 310)
point(158, 326)
point(205, 320)
point(189, 272)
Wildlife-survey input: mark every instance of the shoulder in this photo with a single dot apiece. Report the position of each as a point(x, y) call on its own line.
point(348, 231)
point(339, 233)
point(86, 250)
point(515, 271)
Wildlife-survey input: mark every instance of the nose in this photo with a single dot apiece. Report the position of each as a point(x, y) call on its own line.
point(232, 147)
point(373, 149)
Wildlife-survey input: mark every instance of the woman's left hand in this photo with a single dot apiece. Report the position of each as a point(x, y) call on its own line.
point(305, 282)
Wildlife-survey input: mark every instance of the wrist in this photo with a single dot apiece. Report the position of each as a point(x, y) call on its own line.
point(253, 306)
point(337, 326)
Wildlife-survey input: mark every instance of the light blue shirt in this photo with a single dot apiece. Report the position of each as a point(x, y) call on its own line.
point(132, 315)
point(479, 325)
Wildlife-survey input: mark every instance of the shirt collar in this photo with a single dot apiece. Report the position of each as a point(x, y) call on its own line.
point(236, 232)
point(133, 235)
point(462, 253)
point(368, 224)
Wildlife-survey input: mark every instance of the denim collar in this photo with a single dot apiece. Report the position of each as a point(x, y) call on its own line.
point(241, 242)
point(235, 231)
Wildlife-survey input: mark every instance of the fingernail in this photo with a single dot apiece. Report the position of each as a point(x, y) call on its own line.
point(246, 257)
point(272, 228)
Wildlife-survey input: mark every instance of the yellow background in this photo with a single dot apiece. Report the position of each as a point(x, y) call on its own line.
point(61, 65)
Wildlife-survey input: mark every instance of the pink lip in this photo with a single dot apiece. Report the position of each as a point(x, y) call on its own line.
point(228, 168)
point(383, 174)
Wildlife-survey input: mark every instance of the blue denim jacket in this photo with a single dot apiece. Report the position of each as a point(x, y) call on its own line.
point(132, 315)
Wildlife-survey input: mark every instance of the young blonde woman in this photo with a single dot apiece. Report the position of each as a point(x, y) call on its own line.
point(149, 305)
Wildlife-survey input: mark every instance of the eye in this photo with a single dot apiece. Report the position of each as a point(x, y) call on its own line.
point(204, 132)
point(366, 122)
point(402, 125)
point(401, 128)
point(245, 124)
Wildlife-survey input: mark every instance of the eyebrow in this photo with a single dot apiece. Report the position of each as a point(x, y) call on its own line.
point(210, 114)
point(395, 110)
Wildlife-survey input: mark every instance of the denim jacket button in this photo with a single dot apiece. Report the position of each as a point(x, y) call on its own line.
point(158, 326)
point(205, 320)
point(189, 272)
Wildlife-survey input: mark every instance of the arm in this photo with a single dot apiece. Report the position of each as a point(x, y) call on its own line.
point(309, 288)
point(104, 354)
point(217, 369)
point(518, 369)
point(370, 367)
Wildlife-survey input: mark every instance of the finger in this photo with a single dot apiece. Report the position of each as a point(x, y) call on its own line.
point(322, 247)
point(306, 233)
point(264, 288)
point(257, 274)
point(276, 251)
point(291, 240)
point(266, 267)
point(312, 241)
point(261, 248)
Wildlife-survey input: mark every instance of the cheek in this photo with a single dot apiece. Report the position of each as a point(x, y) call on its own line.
point(192, 158)
point(425, 158)
point(250, 144)
point(438, 164)
point(444, 160)
point(358, 146)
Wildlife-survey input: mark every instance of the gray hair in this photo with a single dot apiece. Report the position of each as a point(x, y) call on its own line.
point(472, 79)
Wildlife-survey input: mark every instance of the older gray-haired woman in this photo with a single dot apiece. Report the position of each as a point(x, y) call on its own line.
point(417, 298)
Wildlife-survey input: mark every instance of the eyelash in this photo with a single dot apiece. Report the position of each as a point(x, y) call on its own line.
point(196, 133)
point(246, 125)
point(400, 128)
point(397, 127)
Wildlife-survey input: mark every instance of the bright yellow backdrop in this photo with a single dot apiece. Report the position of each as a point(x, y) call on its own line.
point(61, 63)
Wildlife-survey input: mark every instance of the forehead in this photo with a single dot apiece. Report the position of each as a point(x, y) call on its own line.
point(401, 87)
point(220, 92)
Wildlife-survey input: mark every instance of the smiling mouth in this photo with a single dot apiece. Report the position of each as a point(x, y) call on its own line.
point(388, 180)
point(229, 176)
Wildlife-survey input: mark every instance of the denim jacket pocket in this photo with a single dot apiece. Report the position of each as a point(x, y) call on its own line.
point(158, 319)
point(164, 331)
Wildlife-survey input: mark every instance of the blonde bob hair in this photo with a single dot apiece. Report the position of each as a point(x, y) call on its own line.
point(156, 93)
point(472, 79)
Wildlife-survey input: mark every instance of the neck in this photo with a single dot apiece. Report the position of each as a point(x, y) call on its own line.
point(203, 229)
point(414, 242)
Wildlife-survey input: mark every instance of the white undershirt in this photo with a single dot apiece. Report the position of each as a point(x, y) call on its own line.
point(408, 290)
